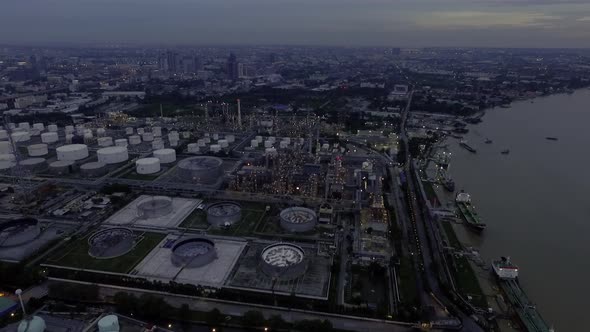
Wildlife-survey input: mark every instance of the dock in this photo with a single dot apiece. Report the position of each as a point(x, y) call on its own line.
point(527, 312)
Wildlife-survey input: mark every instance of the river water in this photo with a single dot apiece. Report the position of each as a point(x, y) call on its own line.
point(536, 200)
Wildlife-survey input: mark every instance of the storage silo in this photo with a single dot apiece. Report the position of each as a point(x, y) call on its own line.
point(3, 134)
point(283, 261)
point(129, 131)
point(105, 141)
point(112, 155)
point(157, 131)
point(147, 137)
point(49, 137)
point(224, 214)
point(21, 136)
point(298, 219)
point(134, 139)
point(121, 142)
point(147, 166)
point(100, 132)
point(5, 147)
point(52, 128)
point(62, 167)
point(203, 169)
point(214, 148)
point(24, 126)
point(165, 156)
point(37, 150)
point(39, 126)
point(93, 169)
point(140, 131)
point(72, 152)
point(157, 145)
point(69, 129)
point(193, 252)
point(192, 148)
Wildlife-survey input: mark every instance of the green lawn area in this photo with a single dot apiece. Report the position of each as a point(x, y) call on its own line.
point(197, 220)
point(75, 254)
point(368, 288)
point(467, 282)
point(246, 226)
point(451, 236)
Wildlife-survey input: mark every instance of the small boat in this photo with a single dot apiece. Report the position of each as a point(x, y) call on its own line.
point(488, 141)
point(505, 151)
point(549, 138)
point(467, 147)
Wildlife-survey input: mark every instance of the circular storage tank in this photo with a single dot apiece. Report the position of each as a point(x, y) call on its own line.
point(50, 137)
point(33, 163)
point(214, 148)
point(186, 134)
point(173, 136)
point(283, 261)
point(147, 166)
point(62, 167)
point(268, 144)
point(37, 150)
point(254, 143)
point(111, 242)
point(193, 252)
point(157, 145)
point(224, 214)
point(166, 156)
point(69, 138)
point(121, 142)
point(39, 126)
point(140, 131)
point(3, 134)
point(154, 207)
point(105, 141)
point(134, 139)
point(24, 126)
point(112, 155)
point(72, 152)
point(109, 323)
point(147, 137)
point(283, 144)
point(52, 128)
point(230, 138)
point(20, 136)
point(298, 219)
point(173, 143)
point(192, 148)
point(7, 164)
point(31, 324)
point(69, 129)
point(129, 131)
point(223, 143)
point(202, 169)
point(18, 231)
point(93, 169)
point(5, 147)
point(100, 132)
point(157, 131)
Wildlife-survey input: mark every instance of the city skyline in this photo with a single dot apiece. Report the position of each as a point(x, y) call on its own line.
point(446, 23)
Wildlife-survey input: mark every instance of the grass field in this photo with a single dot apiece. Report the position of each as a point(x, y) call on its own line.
point(75, 254)
point(196, 220)
point(451, 236)
point(468, 283)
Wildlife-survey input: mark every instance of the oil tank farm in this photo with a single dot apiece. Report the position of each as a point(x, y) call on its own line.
point(283, 261)
point(37, 150)
point(224, 214)
point(112, 155)
point(50, 137)
point(193, 252)
point(298, 219)
point(201, 169)
point(111, 242)
point(154, 207)
point(33, 164)
point(62, 167)
point(72, 152)
point(147, 166)
point(19, 231)
point(166, 156)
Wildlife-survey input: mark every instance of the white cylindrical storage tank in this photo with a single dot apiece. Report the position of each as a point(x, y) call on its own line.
point(52, 128)
point(7, 157)
point(34, 132)
point(267, 144)
point(207, 140)
point(109, 323)
point(147, 137)
point(186, 134)
point(105, 141)
point(287, 139)
point(69, 129)
point(193, 148)
point(3, 134)
point(173, 142)
point(254, 143)
point(80, 131)
point(129, 131)
point(215, 136)
point(72, 152)
point(140, 131)
point(147, 166)
point(223, 143)
point(69, 138)
point(100, 132)
point(283, 144)
point(271, 139)
point(270, 151)
point(50, 137)
point(173, 135)
point(157, 131)
point(24, 126)
point(157, 145)
point(62, 167)
point(165, 155)
point(21, 136)
point(5, 147)
point(112, 155)
point(11, 125)
point(259, 139)
point(93, 169)
point(121, 142)
point(201, 142)
point(37, 150)
point(215, 148)
point(134, 139)
point(230, 138)
point(325, 146)
point(39, 126)
point(33, 163)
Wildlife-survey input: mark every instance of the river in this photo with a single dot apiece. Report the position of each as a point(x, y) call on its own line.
point(536, 199)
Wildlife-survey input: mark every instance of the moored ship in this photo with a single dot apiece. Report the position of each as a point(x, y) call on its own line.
point(467, 146)
point(468, 213)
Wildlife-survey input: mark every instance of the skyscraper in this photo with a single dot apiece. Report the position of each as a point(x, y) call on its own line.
point(232, 67)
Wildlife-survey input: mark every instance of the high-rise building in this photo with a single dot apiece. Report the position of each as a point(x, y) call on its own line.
point(172, 61)
point(232, 67)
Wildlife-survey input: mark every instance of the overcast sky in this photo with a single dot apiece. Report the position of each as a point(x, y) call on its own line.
point(509, 23)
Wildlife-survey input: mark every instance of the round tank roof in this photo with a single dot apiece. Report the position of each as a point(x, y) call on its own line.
point(282, 255)
point(32, 324)
point(61, 163)
point(72, 147)
point(92, 165)
point(147, 161)
point(112, 150)
point(32, 161)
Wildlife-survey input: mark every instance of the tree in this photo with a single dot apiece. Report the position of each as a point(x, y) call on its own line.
point(315, 325)
point(276, 322)
point(253, 318)
point(214, 317)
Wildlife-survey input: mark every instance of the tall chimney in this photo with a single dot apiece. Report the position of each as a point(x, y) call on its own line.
point(239, 115)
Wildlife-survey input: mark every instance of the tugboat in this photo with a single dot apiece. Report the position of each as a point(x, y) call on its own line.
point(467, 147)
point(488, 141)
point(467, 211)
point(549, 138)
point(505, 151)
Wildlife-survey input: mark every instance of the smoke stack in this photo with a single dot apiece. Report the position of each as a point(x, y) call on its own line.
point(239, 115)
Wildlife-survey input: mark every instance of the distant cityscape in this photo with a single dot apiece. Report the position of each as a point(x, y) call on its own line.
point(266, 188)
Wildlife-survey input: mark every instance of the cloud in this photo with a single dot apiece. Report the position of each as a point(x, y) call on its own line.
point(484, 19)
point(584, 19)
